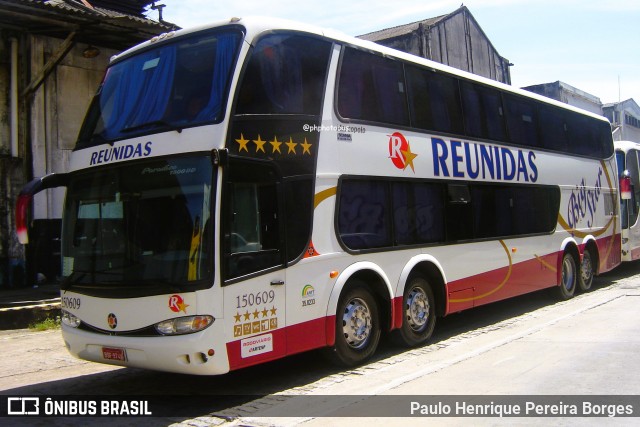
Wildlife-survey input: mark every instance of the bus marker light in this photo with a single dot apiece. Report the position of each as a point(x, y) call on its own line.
point(625, 186)
point(334, 274)
point(211, 352)
point(514, 250)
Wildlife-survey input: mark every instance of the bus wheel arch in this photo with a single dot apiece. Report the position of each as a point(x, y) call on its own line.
point(371, 275)
point(362, 312)
point(433, 273)
point(422, 301)
point(428, 267)
point(381, 290)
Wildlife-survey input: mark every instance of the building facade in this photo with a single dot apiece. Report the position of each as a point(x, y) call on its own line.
point(568, 94)
point(53, 55)
point(625, 119)
point(454, 39)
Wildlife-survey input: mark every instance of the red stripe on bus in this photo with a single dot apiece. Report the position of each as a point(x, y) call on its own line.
point(517, 279)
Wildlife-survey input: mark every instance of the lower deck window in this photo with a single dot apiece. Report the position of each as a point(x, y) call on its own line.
point(378, 213)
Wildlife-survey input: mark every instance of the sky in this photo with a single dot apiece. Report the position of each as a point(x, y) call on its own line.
point(593, 45)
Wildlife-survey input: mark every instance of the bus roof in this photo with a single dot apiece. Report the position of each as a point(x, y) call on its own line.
point(256, 25)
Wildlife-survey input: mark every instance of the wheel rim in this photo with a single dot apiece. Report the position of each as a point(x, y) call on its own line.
point(568, 273)
point(356, 323)
point(587, 268)
point(417, 309)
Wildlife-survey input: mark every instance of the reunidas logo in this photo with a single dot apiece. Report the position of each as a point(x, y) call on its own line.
point(400, 151)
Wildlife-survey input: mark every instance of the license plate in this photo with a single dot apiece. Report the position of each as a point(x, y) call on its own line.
point(110, 353)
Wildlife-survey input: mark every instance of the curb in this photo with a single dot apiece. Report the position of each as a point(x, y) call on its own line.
point(23, 316)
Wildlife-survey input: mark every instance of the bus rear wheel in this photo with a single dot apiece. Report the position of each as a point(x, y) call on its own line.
point(569, 279)
point(357, 328)
point(418, 314)
point(587, 271)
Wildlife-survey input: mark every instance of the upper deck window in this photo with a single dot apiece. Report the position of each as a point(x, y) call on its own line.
point(372, 88)
point(285, 75)
point(377, 89)
point(169, 86)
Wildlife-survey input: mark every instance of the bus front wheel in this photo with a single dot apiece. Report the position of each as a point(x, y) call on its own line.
point(418, 314)
point(357, 328)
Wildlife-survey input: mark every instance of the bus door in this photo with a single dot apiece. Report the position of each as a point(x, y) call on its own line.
point(253, 263)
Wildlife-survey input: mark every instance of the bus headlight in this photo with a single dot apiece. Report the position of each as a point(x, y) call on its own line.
point(70, 319)
point(184, 325)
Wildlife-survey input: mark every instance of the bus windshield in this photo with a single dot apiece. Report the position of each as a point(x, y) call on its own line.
point(139, 229)
point(169, 86)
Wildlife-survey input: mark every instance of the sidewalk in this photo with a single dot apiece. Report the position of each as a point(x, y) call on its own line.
point(576, 351)
point(21, 307)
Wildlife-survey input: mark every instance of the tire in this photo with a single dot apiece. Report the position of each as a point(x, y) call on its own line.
point(418, 314)
point(569, 279)
point(357, 328)
point(587, 271)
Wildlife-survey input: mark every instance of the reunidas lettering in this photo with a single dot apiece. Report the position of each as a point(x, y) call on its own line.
point(123, 152)
point(461, 159)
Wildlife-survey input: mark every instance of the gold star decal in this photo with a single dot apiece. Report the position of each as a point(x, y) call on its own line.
point(247, 315)
point(237, 317)
point(273, 310)
point(265, 312)
point(292, 146)
point(243, 143)
point(306, 147)
point(256, 314)
point(408, 157)
point(259, 144)
point(275, 145)
point(182, 306)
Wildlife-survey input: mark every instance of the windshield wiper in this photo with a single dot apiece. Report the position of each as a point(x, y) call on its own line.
point(161, 123)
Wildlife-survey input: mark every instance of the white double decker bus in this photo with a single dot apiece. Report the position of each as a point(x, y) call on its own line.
point(627, 157)
point(254, 189)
